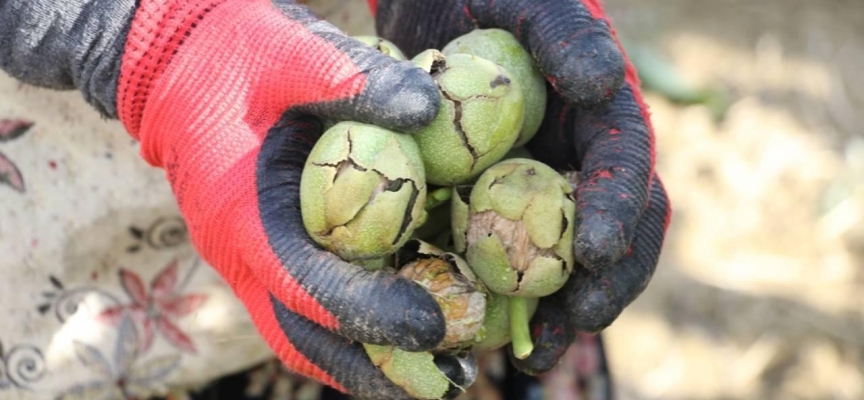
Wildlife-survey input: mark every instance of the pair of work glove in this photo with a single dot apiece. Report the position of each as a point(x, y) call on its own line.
point(228, 95)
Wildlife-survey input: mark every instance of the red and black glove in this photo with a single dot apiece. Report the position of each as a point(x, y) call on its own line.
point(226, 96)
point(596, 123)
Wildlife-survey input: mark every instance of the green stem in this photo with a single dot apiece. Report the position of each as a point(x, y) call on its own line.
point(520, 334)
point(438, 197)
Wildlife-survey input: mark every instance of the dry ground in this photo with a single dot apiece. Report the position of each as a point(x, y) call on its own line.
point(757, 295)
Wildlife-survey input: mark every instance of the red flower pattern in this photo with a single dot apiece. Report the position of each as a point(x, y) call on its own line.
point(9, 173)
point(158, 309)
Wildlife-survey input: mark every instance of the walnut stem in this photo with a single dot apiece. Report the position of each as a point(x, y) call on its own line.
point(520, 334)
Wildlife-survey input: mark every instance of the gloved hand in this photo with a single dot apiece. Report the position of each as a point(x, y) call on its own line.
point(226, 96)
point(204, 86)
point(596, 123)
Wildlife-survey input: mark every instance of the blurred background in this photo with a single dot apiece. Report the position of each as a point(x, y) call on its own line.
point(755, 105)
point(758, 291)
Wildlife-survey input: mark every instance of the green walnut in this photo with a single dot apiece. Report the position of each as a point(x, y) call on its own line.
point(518, 235)
point(385, 46)
point(502, 48)
point(516, 228)
point(362, 191)
point(480, 116)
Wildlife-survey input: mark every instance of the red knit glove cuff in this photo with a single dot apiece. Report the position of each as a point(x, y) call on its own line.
point(157, 31)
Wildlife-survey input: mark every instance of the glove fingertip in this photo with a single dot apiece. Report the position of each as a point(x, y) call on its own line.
point(424, 326)
point(401, 97)
point(600, 242)
point(381, 90)
point(395, 95)
point(593, 74)
point(594, 311)
point(392, 310)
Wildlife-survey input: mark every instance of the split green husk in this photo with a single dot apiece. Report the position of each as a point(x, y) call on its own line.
point(519, 228)
point(502, 48)
point(481, 112)
point(362, 191)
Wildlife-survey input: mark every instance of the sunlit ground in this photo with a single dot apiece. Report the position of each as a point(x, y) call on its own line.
point(757, 295)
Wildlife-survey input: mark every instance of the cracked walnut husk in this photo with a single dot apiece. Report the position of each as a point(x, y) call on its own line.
point(502, 48)
point(363, 191)
point(481, 114)
point(516, 228)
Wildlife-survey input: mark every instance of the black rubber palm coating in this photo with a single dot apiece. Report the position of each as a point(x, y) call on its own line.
point(345, 361)
point(593, 300)
point(611, 147)
point(397, 95)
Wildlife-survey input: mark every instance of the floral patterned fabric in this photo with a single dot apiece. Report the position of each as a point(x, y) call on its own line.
point(102, 295)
